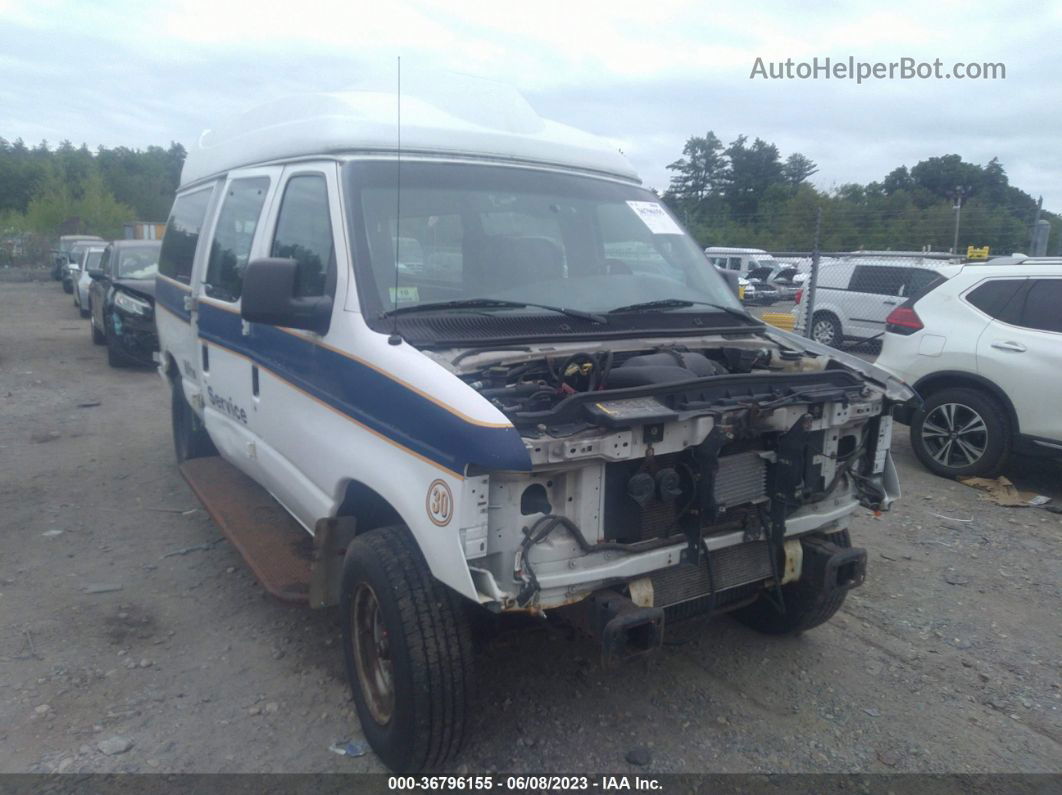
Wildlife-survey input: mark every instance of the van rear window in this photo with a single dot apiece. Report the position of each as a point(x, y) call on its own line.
point(182, 235)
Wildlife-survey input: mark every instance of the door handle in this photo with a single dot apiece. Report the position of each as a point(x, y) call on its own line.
point(1009, 345)
point(890, 302)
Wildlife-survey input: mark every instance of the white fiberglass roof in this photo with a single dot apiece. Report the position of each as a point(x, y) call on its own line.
point(443, 115)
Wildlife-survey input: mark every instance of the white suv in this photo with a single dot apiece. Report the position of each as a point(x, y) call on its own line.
point(984, 350)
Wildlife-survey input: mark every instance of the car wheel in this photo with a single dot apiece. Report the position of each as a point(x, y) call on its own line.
point(68, 287)
point(408, 651)
point(97, 336)
point(961, 432)
point(806, 605)
point(116, 357)
point(826, 329)
point(190, 437)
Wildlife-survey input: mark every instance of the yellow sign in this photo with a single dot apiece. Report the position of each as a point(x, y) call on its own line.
point(976, 253)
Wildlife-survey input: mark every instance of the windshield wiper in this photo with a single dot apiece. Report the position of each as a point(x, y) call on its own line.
point(679, 303)
point(492, 303)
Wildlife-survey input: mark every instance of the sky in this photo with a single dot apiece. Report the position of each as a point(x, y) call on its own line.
point(646, 74)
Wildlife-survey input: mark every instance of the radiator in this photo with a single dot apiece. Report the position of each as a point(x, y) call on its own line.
point(731, 567)
point(740, 478)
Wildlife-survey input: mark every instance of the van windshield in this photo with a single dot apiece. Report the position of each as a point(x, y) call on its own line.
point(463, 232)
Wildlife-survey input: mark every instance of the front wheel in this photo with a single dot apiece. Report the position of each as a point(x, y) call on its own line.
point(116, 357)
point(190, 437)
point(98, 337)
point(961, 433)
point(826, 329)
point(408, 651)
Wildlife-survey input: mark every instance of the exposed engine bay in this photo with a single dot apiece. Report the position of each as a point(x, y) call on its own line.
point(686, 471)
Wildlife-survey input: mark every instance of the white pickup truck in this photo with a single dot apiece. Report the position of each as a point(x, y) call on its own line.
point(549, 403)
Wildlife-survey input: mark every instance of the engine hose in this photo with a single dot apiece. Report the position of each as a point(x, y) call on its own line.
point(542, 529)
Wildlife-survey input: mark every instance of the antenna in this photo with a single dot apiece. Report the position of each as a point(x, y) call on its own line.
point(396, 338)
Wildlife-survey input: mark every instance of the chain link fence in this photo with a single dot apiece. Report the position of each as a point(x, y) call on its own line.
point(843, 299)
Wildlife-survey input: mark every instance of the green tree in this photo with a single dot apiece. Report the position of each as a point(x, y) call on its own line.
point(699, 173)
point(798, 168)
point(752, 170)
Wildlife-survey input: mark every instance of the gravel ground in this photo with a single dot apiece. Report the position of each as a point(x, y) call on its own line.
point(133, 640)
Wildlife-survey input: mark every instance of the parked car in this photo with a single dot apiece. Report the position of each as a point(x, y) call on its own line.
point(121, 301)
point(767, 291)
point(854, 295)
point(983, 348)
point(543, 427)
point(72, 271)
point(61, 253)
point(785, 279)
point(89, 260)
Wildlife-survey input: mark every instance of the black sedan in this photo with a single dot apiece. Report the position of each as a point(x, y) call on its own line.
point(122, 302)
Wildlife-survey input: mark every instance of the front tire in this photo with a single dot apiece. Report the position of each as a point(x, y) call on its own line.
point(826, 329)
point(116, 357)
point(190, 437)
point(961, 432)
point(806, 606)
point(98, 338)
point(408, 651)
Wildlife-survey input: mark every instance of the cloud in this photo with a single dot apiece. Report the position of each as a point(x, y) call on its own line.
point(648, 75)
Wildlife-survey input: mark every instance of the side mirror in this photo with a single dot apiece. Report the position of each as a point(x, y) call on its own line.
point(269, 297)
point(94, 273)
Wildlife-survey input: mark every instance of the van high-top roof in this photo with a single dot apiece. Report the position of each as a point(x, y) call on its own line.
point(465, 118)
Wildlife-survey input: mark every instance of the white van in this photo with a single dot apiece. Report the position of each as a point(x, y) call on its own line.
point(549, 405)
point(741, 260)
point(855, 294)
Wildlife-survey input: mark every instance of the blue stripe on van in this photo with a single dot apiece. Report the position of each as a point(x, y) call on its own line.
point(369, 397)
point(171, 297)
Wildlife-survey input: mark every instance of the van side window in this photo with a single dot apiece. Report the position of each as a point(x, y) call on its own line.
point(881, 280)
point(231, 246)
point(182, 235)
point(304, 233)
point(918, 279)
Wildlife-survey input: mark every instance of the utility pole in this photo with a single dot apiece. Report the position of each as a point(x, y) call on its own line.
point(1036, 222)
point(960, 193)
point(813, 278)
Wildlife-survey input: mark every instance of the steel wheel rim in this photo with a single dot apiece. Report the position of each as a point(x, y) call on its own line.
point(955, 435)
point(822, 331)
point(372, 654)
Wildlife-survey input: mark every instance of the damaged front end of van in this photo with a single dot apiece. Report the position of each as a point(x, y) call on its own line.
point(679, 478)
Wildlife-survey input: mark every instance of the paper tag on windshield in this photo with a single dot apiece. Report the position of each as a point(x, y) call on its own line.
point(655, 217)
point(405, 295)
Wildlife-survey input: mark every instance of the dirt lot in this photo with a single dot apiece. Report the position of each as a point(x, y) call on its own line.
point(131, 641)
